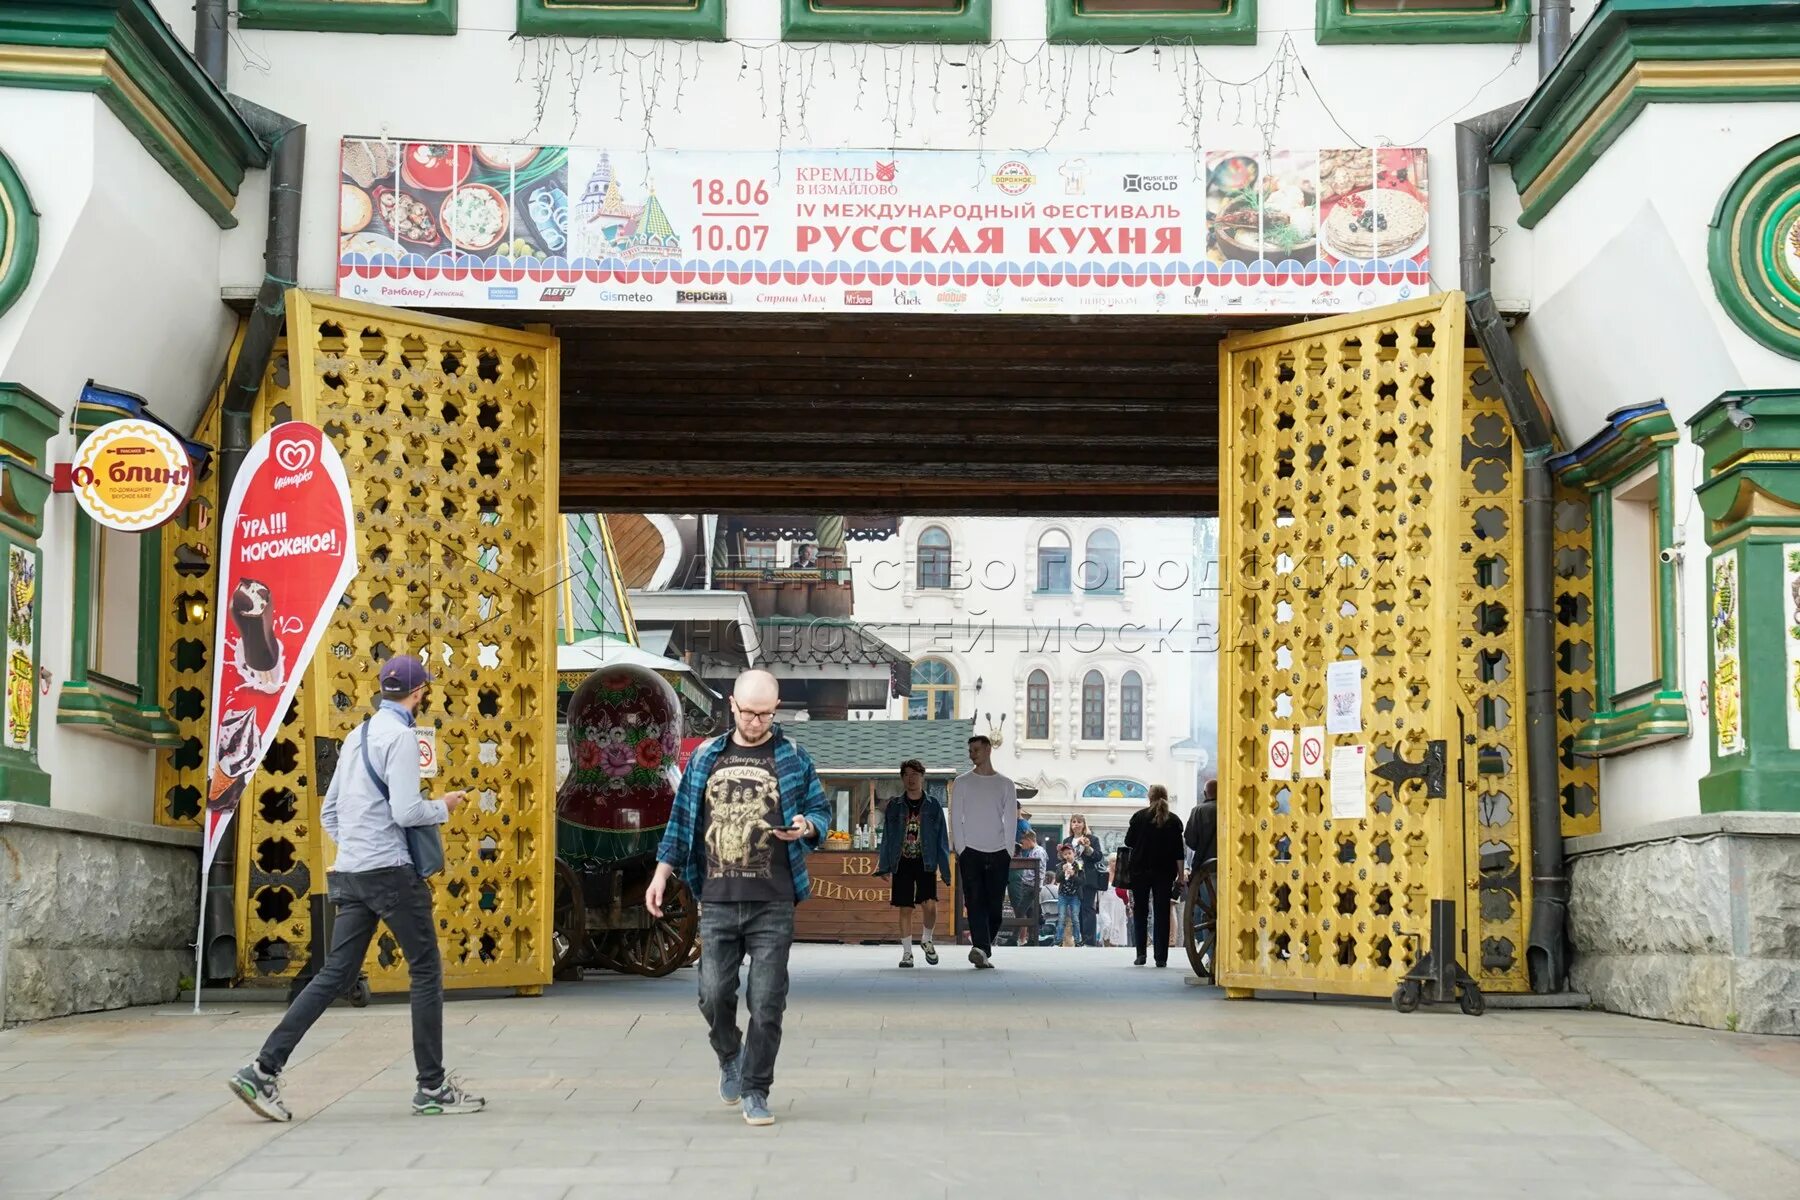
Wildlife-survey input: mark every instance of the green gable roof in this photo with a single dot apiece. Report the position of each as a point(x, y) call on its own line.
point(879, 747)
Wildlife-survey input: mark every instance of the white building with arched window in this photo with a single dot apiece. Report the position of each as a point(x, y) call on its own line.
point(1071, 642)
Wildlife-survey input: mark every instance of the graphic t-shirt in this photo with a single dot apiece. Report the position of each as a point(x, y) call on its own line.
point(909, 842)
point(1068, 877)
point(744, 858)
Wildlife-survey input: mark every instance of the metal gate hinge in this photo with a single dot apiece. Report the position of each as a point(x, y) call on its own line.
point(1430, 769)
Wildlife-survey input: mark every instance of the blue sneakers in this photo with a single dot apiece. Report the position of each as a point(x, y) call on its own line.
point(731, 1080)
point(756, 1109)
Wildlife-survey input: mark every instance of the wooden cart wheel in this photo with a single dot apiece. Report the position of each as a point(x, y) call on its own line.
point(573, 948)
point(1200, 924)
point(666, 945)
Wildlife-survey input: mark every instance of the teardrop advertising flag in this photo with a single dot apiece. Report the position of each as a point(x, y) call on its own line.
point(289, 553)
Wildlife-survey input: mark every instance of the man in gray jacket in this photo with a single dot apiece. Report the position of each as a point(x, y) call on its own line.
point(367, 811)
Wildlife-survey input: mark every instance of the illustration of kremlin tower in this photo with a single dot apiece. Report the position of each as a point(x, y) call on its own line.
point(652, 236)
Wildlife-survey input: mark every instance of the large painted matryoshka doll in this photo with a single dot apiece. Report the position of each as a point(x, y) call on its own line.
point(624, 765)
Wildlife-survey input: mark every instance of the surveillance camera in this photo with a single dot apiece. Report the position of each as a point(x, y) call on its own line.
point(1671, 555)
point(1739, 418)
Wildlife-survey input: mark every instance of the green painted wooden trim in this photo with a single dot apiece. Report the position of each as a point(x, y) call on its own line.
point(805, 21)
point(1766, 775)
point(121, 51)
point(1600, 523)
point(1337, 23)
point(1668, 651)
point(693, 20)
point(27, 423)
point(347, 16)
point(18, 234)
point(81, 707)
point(1662, 719)
point(1630, 440)
point(1740, 267)
point(144, 723)
point(1236, 26)
point(21, 779)
point(1623, 35)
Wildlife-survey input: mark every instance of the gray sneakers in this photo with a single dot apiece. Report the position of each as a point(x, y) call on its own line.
point(731, 1080)
point(449, 1098)
point(261, 1092)
point(756, 1109)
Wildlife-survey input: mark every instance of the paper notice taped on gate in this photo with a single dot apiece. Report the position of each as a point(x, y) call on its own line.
point(428, 753)
point(1281, 754)
point(1343, 707)
point(1349, 783)
point(1312, 752)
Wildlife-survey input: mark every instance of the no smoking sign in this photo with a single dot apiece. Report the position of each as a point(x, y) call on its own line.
point(1312, 752)
point(1281, 754)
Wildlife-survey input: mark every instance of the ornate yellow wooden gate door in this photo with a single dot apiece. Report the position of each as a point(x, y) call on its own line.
point(449, 435)
point(1348, 537)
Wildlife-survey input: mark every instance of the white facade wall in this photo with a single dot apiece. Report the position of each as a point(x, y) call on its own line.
point(992, 627)
point(1621, 262)
point(125, 292)
point(754, 93)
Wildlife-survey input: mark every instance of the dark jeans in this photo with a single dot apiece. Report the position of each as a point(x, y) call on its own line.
point(398, 898)
point(1090, 917)
point(1163, 892)
point(984, 876)
point(764, 931)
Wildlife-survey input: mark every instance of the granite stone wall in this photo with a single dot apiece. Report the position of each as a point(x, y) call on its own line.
point(1695, 921)
point(94, 914)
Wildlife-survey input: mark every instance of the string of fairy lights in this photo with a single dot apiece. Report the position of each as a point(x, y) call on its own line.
point(904, 85)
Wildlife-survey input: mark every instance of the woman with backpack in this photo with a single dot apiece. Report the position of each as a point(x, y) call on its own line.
point(1153, 864)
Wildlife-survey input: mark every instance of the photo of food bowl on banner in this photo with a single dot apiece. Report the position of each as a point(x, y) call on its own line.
point(513, 226)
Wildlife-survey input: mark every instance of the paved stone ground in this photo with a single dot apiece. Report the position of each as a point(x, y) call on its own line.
point(1065, 1072)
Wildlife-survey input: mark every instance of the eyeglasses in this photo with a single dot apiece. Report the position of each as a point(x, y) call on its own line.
point(754, 714)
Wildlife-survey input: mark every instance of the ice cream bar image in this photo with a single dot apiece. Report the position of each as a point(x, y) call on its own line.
point(234, 757)
point(253, 613)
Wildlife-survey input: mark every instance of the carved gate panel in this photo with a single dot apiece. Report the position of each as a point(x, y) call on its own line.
point(449, 435)
point(1340, 482)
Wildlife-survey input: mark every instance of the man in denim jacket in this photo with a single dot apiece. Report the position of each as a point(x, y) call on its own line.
point(915, 851)
point(749, 810)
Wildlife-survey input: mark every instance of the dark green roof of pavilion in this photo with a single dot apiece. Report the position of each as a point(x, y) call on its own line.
point(876, 746)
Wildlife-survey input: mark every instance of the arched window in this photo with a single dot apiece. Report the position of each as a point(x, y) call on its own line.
point(933, 691)
point(1037, 706)
point(1100, 570)
point(1093, 707)
point(1131, 707)
point(934, 558)
point(1053, 562)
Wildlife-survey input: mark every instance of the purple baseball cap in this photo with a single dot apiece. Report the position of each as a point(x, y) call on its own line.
point(402, 675)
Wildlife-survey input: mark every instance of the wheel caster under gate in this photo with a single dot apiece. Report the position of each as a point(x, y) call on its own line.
point(1437, 976)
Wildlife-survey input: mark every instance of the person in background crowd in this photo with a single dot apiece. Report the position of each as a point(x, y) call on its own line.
point(1123, 895)
point(1092, 861)
point(749, 809)
point(984, 826)
point(1070, 875)
point(374, 796)
point(915, 850)
point(1153, 840)
point(1202, 832)
point(1030, 881)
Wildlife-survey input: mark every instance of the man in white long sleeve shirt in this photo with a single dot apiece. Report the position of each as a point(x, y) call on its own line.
point(984, 819)
point(373, 799)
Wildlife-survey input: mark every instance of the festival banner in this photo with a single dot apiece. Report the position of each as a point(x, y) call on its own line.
point(441, 224)
point(289, 553)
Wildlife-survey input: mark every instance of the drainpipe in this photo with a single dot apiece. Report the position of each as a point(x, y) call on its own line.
point(1547, 951)
point(1554, 33)
point(286, 140)
point(210, 38)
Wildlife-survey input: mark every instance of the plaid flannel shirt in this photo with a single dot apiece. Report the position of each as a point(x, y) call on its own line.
point(683, 843)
